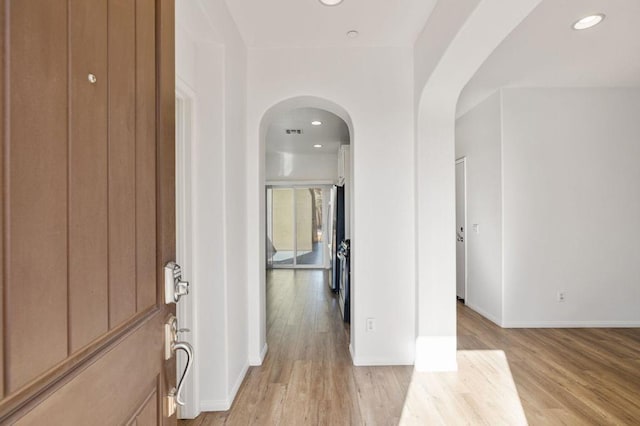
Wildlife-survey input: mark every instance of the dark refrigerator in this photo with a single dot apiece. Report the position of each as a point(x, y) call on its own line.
point(337, 237)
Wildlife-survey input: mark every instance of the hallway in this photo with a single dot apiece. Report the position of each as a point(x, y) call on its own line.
point(307, 377)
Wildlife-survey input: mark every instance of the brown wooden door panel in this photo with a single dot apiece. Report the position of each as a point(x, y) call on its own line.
point(149, 410)
point(35, 193)
point(2, 199)
point(116, 384)
point(87, 214)
point(122, 161)
point(167, 131)
point(146, 152)
point(88, 305)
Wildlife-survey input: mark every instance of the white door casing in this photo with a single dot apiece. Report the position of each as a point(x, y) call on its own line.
point(461, 228)
point(186, 309)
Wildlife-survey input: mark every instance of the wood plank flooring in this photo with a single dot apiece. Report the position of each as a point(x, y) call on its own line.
point(565, 376)
point(480, 392)
point(562, 376)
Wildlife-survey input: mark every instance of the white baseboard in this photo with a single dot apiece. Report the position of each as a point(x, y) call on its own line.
point(554, 324)
point(380, 362)
point(238, 383)
point(225, 404)
point(485, 314)
point(360, 361)
point(263, 353)
point(436, 353)
point(258, 361)
point(215, 405)
point(377, 362)
point(571, 324)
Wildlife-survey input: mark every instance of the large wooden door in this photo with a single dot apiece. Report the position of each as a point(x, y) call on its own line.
point(87, 215)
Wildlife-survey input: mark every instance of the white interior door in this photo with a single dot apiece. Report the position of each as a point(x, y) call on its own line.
point(461, 227)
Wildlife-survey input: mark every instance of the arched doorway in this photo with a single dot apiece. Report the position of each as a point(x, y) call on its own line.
point(257, 291)
point(435, 172)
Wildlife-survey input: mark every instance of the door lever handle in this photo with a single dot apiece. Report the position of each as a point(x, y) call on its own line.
point(188, 350)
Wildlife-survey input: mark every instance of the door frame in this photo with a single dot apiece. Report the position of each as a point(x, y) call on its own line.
point(187, 313)
point(463, 160)
point(297, 185)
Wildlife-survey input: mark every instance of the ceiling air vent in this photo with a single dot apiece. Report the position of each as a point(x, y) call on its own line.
point(294, 131)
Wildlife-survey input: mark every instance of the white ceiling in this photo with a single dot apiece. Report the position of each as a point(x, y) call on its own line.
point(331, 134)
point(545, 51)
point(308, 23)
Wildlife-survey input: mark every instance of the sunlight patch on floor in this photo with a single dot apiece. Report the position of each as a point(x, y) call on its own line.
point(482, 391)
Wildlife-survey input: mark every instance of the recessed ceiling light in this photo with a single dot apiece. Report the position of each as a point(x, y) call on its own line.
point(316, 123)
point(317, 145)
point(352, 34)
point(588, 21)
point(331, 2)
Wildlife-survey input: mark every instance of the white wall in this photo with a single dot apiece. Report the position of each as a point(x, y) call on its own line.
point(571, 206)
point(211, 63)
point(438, 83)
point(301, 167)
point(375, 87)
point(235, 163)
point(479, 140)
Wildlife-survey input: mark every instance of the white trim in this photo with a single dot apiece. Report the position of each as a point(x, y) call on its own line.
point(571, 324)
point(215, 405)
point(436, 353)
point(463, 160)
point(225, 232)
point(184, 90)
point(225, 404)
point(485, 314)
point(502, 240)
point(305, 183)
point(186, 311)
point(260, 359)
point(238, 383)
point(380, 362)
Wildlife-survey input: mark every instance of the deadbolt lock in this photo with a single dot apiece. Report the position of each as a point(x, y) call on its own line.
point(174, 287)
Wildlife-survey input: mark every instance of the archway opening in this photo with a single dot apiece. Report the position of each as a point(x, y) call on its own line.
point(306, 203)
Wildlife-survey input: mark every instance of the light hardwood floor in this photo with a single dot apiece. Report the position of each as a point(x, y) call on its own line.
point(562, 376)
point(565, 376)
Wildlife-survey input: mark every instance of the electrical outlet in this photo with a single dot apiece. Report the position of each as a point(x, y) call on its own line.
point(371, 324)
point(561, 296)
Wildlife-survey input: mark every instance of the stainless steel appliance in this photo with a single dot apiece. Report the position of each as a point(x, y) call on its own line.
point(338, 234)
point(344, 283)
